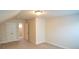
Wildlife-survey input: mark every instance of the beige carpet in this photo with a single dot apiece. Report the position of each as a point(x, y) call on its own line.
point(23, 44)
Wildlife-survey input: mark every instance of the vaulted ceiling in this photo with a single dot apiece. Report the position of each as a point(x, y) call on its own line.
point(6, 14)
point(27, 14)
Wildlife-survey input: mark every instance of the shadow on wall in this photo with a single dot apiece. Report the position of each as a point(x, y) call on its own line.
point(63, 31)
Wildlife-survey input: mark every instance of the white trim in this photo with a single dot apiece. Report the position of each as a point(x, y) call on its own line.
point(40, 42)
point(50, 42)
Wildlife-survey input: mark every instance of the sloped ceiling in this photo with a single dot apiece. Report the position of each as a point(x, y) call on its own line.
point(6, 14)
point(27, 14)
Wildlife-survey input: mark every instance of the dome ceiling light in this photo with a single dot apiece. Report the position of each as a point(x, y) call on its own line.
point(38, 12)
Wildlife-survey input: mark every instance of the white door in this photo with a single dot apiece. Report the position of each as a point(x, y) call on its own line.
point(26, 31)
point(12, 31)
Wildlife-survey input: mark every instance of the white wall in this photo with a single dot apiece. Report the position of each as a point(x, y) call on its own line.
point(5, 30)
point(40, 30)
point(37, 30)
point(63, 31)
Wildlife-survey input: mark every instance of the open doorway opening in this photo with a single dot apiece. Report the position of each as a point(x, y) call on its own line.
point(23, 31)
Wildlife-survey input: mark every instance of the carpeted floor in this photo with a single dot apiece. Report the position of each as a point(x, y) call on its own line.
point(23, 44)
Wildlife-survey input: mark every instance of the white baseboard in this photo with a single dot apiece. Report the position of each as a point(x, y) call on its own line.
point(61, 46)
point(6, 41)
point(39, 42)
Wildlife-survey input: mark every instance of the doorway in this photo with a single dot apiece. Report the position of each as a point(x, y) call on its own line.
point(23, 31)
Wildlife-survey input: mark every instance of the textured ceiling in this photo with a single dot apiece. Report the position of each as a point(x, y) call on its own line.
point(6, 14)
point(48, 13)
point(62, 12)
point(27, 14)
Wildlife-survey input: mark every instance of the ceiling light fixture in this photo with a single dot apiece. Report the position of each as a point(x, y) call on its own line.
point(38, 12)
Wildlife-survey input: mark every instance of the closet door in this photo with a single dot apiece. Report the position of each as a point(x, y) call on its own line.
point(12, 31)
